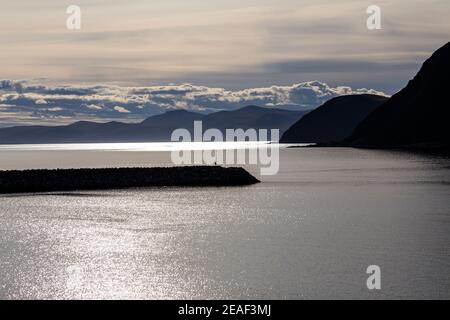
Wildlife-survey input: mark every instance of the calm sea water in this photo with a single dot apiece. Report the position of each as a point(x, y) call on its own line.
point(309, 232)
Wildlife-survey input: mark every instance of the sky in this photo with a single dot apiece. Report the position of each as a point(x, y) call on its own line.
point(221, 48)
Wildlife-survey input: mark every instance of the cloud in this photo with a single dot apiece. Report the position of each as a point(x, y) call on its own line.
point(121, 109)
point(41, 101)
point(228, 43)
point(93, 107)
point(67, 103)
point(55, 109)
point(335, 65)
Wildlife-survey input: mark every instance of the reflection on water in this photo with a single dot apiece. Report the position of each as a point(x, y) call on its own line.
point(50, 156)
point(138, 146)
point(308, 232)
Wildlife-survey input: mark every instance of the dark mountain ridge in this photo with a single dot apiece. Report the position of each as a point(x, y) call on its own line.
point(417, 116)
point(154, 129)
point(333, 121)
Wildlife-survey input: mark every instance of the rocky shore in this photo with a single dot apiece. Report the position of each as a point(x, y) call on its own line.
point(29, 181)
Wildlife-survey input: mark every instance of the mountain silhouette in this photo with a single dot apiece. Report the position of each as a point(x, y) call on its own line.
point(417, 116)
point(253, 117)
point(333, 121)
point(158, 128)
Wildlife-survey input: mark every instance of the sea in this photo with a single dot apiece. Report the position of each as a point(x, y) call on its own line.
point(312, 231)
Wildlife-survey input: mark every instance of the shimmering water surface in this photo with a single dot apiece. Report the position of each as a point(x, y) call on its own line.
point(309, 232)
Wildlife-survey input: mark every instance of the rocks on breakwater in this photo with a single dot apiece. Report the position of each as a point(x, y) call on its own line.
point(27, 181)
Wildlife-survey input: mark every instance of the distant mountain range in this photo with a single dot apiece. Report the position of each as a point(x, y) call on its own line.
point(154, 129)
point(417, 116)
point(333, 121)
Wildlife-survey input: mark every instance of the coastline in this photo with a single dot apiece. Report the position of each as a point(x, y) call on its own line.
point(417, 148)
